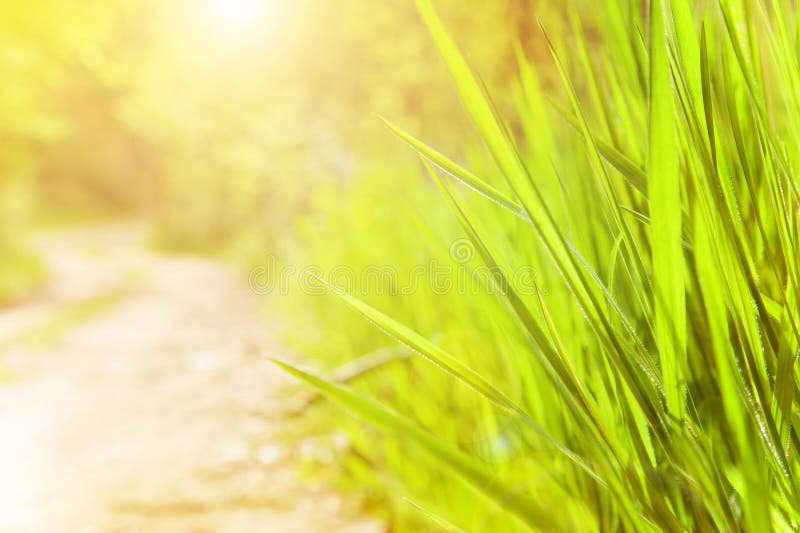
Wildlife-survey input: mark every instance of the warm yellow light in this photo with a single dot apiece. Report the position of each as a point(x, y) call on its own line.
point(236, 14)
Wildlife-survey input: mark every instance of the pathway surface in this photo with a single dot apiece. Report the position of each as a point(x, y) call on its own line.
point(137, 397)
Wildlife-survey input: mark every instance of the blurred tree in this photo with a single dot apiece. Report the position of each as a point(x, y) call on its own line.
point(224, 126)
point(248, 121)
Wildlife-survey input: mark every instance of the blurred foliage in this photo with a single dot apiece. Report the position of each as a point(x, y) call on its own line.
point(221, 130)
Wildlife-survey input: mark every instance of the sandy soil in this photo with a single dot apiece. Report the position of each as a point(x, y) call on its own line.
point(137, 397)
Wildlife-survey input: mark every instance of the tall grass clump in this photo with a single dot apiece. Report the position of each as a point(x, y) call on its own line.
point(648, 381)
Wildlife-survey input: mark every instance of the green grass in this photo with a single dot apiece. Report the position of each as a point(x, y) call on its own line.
point(649, 382)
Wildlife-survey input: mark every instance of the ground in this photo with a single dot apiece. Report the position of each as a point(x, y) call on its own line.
point(136, 395)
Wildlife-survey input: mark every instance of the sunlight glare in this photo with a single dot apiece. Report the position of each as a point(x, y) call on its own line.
point(236, 15)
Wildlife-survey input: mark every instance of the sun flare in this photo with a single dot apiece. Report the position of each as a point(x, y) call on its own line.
point(236, 15)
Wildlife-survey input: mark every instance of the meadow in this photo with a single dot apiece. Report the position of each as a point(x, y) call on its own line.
point(596, 202)
point(649, 381)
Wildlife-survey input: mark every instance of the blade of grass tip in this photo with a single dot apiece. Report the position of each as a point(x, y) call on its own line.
point(471, 469)
point(458, 172)
point(534, 106)
point(665, 223)
point(475, 102)
point(440, 522)
point(631, 172)
point(425, 348)
point(598, 100)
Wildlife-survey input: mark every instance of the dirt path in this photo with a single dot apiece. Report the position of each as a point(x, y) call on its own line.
point(138, 398)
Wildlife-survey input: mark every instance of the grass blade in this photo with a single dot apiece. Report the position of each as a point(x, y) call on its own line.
point(665, 219)
point(471, 469)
